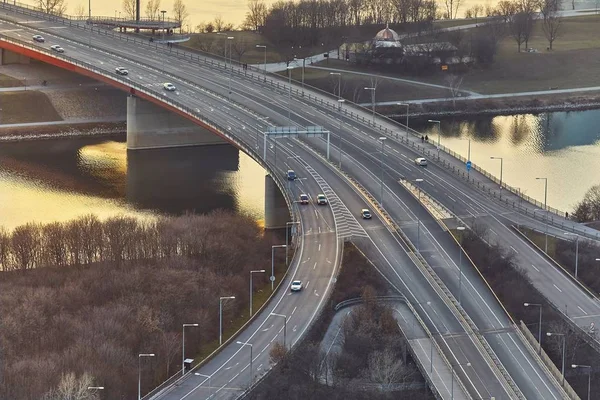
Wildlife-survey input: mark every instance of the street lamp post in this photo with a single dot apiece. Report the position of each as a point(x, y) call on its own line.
point(284, 325)
point(372, 89)
point(140, 372)
point(183, 348)
point(545, 228)
point(339, 74)
point(303, 66)
point(540, 323)
point(418, 181)
point(262, 46)
point(230, 39)
point(278, 246)
point(564, 345)
point(251, 372)
point(576, 250)
point(545, 206)
point(405, 126)
point(209, 379)
point(382, 140)
point(253, 272)
point(95, 388)
point(288, 224)
point(439, 124)
point(452, 384)
point(290, 95)
point(460, 230)
point(340, 101)
point(589, 368)
point(501, 165)
point(221, 316)
point(163, 12)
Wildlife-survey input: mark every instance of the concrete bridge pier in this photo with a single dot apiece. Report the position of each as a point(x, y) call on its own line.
point(276, 211)
point(151, 127)
point(9, 57)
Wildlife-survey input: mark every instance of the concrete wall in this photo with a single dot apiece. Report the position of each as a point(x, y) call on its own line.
point(8, 57)
point(150, 127)
point(276, 211)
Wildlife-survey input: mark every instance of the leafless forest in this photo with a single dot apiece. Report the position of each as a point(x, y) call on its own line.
point(80, 300)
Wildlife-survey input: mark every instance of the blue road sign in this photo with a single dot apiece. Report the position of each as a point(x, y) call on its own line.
point(469, 165)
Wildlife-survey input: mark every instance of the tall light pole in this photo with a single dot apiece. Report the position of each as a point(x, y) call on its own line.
point(589, 368)
point(564, 346)
point(382, 140)
point(460, 230)
point(452, 368)
point(90, 22)
point(253, 272)
point(303, 65)
point(183, 348)
point(140, 372)
point(289, 69)
point(221, 316)
point(501, 167)
point(284, 325)
point(418, 181)
point(230, 39)
point(287, 225)
point(278, 246)
point(209, 379)
point(545, 207)
point(262, 46)
point(405, 126)
point(576, 249)
point(341, 101)
point(439, 125)
point(372, 89)
point(546, 227)
point(163, 12)
point(339, 74)
point(540, 323)
point(468, 157)
point(251, 372)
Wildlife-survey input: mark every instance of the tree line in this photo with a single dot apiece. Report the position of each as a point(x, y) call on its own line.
point(83, 318)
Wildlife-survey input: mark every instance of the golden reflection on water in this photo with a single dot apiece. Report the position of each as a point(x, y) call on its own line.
point(60, 181)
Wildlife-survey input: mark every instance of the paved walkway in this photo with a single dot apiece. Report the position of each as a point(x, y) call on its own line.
point(66, 122)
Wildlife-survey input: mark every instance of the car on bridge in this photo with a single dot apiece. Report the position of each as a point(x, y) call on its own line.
point(39, 38)
point(421, 161)
point(365, 213)
point(321, 199)
point(303, 198)
point(169, 86)
point(57, 48)
point(291, 175)
point(121, 71)
point(296, 286)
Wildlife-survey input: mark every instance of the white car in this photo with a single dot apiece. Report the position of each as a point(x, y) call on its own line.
point(121, 71)
point(39, 38)
point(321, 199)
point(57, 48)
point(296, 286)
point(420, 161)
point(170, 87)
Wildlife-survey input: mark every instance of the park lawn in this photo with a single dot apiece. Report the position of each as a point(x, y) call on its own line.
point(353, 84)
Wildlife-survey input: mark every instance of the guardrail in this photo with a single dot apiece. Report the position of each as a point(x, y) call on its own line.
point(360, 300)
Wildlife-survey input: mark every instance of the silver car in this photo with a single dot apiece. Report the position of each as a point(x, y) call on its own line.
point(57, 48)
point(170, 87)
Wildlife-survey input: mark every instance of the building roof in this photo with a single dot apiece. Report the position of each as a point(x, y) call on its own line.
point(387, 34)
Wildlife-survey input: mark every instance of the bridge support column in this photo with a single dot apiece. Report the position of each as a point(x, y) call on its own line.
point(151, 127)
point(8, 57)
point(276, 211)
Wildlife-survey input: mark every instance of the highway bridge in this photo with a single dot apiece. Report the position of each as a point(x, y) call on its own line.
point(476, 336)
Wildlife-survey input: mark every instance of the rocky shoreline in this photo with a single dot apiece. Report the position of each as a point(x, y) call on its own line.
point(41, 132)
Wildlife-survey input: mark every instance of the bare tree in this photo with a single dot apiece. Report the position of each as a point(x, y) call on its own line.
point(129, 8)
point(520, 27)
point(79, 11)
point(386, 368)
point(551, 27)
point(240, 47)
point(180, 12)
point(218, 23)
point(73, 388)
point(152, 8)
point(452, 8)
point(454, 82)
point(256, 14)
point(57, 7)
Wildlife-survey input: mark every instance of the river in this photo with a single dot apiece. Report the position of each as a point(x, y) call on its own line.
point(60, 179)
point(562, 146)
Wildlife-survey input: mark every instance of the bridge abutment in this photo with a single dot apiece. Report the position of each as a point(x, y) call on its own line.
point(9, 57)
point(276, 211)
point(151, 127)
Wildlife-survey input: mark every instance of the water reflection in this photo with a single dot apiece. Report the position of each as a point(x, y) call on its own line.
point(563, 146)
point(60, 179)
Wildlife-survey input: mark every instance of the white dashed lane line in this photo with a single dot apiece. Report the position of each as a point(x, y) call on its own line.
point(557, 288)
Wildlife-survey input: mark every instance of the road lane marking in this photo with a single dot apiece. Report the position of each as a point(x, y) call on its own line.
point(557, 288)
point(396, 151)
point(582, 310)
point(316, 294)
point(307, 283)
point(451, 198)
point(315, 266)
point(294, 310)
point(534, 267)
point(319, 243)
point(295, 327)
point(515, 250)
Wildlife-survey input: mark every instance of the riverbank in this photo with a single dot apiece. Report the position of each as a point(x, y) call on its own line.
point(497, 106)
point(57, 129)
